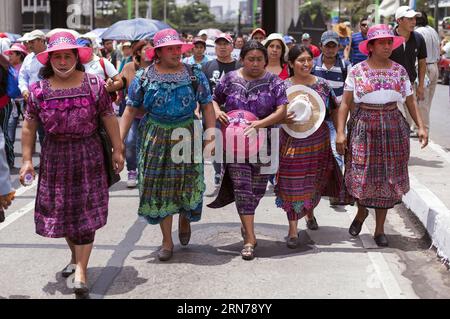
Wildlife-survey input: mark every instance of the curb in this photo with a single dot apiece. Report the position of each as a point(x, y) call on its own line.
point(433, 214)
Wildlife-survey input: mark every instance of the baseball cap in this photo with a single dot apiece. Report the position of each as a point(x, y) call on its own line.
point(224, 36)
point(33, 35)
point(406, 12)
point(306, 36)
point(198, 40)
point(126, 44)
point(258, 30)
point(202, 32)
point(288, 39)
point(329, 36)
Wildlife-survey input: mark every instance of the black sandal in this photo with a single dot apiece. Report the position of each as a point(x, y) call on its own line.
point(248, 252)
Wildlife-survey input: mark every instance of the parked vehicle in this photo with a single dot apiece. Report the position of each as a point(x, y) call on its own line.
point(444, 69)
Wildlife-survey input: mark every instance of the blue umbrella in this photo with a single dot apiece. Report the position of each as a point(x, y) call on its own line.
point(13, 37)
point(135, 29)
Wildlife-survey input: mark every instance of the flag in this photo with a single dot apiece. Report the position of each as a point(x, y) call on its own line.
point(388, 7)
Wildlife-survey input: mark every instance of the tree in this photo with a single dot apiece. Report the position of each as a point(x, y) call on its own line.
point(196, 13)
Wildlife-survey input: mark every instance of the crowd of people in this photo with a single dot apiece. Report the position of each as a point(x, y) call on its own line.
point(345, 109)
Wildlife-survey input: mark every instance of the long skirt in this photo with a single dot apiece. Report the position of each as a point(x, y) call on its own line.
point(167, 186)
point(308, 171)
point(376, 162)
point(72, 195)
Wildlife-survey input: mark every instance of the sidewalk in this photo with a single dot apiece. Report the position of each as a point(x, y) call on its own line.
point(429, 197)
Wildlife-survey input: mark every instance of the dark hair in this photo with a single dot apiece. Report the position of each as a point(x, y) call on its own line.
point(4, 63)
point(21, 55)
point(423, 20)
point(283, 50)
point(137, 47)
point(363, 19)
point(254, 45)
point(295, 52)
point(47, 70)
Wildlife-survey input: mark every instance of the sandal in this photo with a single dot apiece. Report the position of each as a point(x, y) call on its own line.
point(248, 252)
point(68, 270)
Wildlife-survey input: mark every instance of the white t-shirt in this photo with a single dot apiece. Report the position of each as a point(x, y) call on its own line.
point(446, 49)
point(94, 67)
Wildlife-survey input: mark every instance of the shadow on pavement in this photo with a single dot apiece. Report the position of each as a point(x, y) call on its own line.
point(415, 161)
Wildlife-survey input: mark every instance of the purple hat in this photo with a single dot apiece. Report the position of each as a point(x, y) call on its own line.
point(380, 31)
point(165, 38)
point(65, 41)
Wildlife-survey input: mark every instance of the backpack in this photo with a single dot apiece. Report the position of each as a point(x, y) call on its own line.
point(113, 95)
point(12, 84)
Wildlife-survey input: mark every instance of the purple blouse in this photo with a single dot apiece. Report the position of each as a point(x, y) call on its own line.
point(261, 97)
point(70, 112)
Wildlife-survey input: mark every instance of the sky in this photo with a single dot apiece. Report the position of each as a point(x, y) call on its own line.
point(234, 4)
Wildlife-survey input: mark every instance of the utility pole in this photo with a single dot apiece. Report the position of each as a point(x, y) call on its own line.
point(149, 9)
point(165, 11)
point(93, 15)
point(436, 15)
point(136, 9)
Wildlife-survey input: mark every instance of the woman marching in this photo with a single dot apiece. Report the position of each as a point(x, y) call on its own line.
point(276, 51)
point(377, 149)
point(308, 169)
point(253, 89)
point(72, 196)
point(169, 95)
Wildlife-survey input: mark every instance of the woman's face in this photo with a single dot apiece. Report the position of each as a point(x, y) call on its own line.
point(382, 48)
point(14, 58)
point(142, 52)
point(303, 64)
point(199, 49)
point(254, 63)
point(275, 49)
point(63, 62)
point(170, 55)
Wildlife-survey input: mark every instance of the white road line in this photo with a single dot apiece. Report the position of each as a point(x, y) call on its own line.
point(17, 214)
point(440, 150)
point(381, 267)
point(387, 279)
point(23, 189)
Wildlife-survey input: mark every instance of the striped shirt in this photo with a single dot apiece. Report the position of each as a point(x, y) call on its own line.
point(334, 76)
point(355, 55)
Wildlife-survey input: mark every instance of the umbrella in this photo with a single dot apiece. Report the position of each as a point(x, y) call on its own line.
point(13, 37)
point(134, 29)
point(212, 33)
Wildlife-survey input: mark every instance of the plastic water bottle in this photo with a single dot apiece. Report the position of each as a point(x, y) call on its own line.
point(28, 179)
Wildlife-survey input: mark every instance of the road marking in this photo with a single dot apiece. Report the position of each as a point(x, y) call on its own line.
point(23, 189)
point(387, 279)
point(17, 214)
point(440, 150)
point(381, 267)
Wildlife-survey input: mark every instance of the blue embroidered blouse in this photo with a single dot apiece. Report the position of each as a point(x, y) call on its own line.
point(168, 98)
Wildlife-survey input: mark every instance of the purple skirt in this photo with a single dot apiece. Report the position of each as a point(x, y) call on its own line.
point(72, 196)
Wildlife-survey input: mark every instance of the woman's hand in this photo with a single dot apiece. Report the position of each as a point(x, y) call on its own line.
point(289, 119)
point(6, 200)
point(118, 160)
point(27, 167)
point(423, 137)
point(252, 130)
point(341, 143)
point(222, 117)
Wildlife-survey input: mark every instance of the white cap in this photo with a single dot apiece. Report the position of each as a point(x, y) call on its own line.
point(202, 32)
point(406, 12)
point(33, 35)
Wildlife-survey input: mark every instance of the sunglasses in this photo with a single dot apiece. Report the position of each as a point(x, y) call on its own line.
point(364, 24)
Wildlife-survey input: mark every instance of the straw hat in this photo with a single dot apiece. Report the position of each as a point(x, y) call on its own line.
point(309, 109)
point(343, 30)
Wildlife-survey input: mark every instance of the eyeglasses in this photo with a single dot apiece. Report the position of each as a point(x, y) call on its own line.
point(364, 24)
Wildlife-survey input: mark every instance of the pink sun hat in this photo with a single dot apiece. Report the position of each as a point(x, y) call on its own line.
point(65, 41)
point(239, 120)
point(17, 47)
point(380, 31)
point(165, 38)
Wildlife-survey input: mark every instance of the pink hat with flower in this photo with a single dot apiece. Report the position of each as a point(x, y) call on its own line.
point(380, 31)
point(165, 38)
point(65, 41)
point(17, 47)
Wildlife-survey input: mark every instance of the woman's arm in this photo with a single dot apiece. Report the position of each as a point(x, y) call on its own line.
point(127, 118)
point(342, 114)
point(28, 141)
point(112, 128)
point(272, 119)
point(115, 85)
point(415, 115)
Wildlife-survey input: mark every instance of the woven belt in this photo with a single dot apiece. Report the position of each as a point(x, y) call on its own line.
point(378, 107)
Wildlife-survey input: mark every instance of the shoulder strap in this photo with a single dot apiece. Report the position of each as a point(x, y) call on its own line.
point(102, 64)
point(94, 85)
point(193, 77)
point(343, 68)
